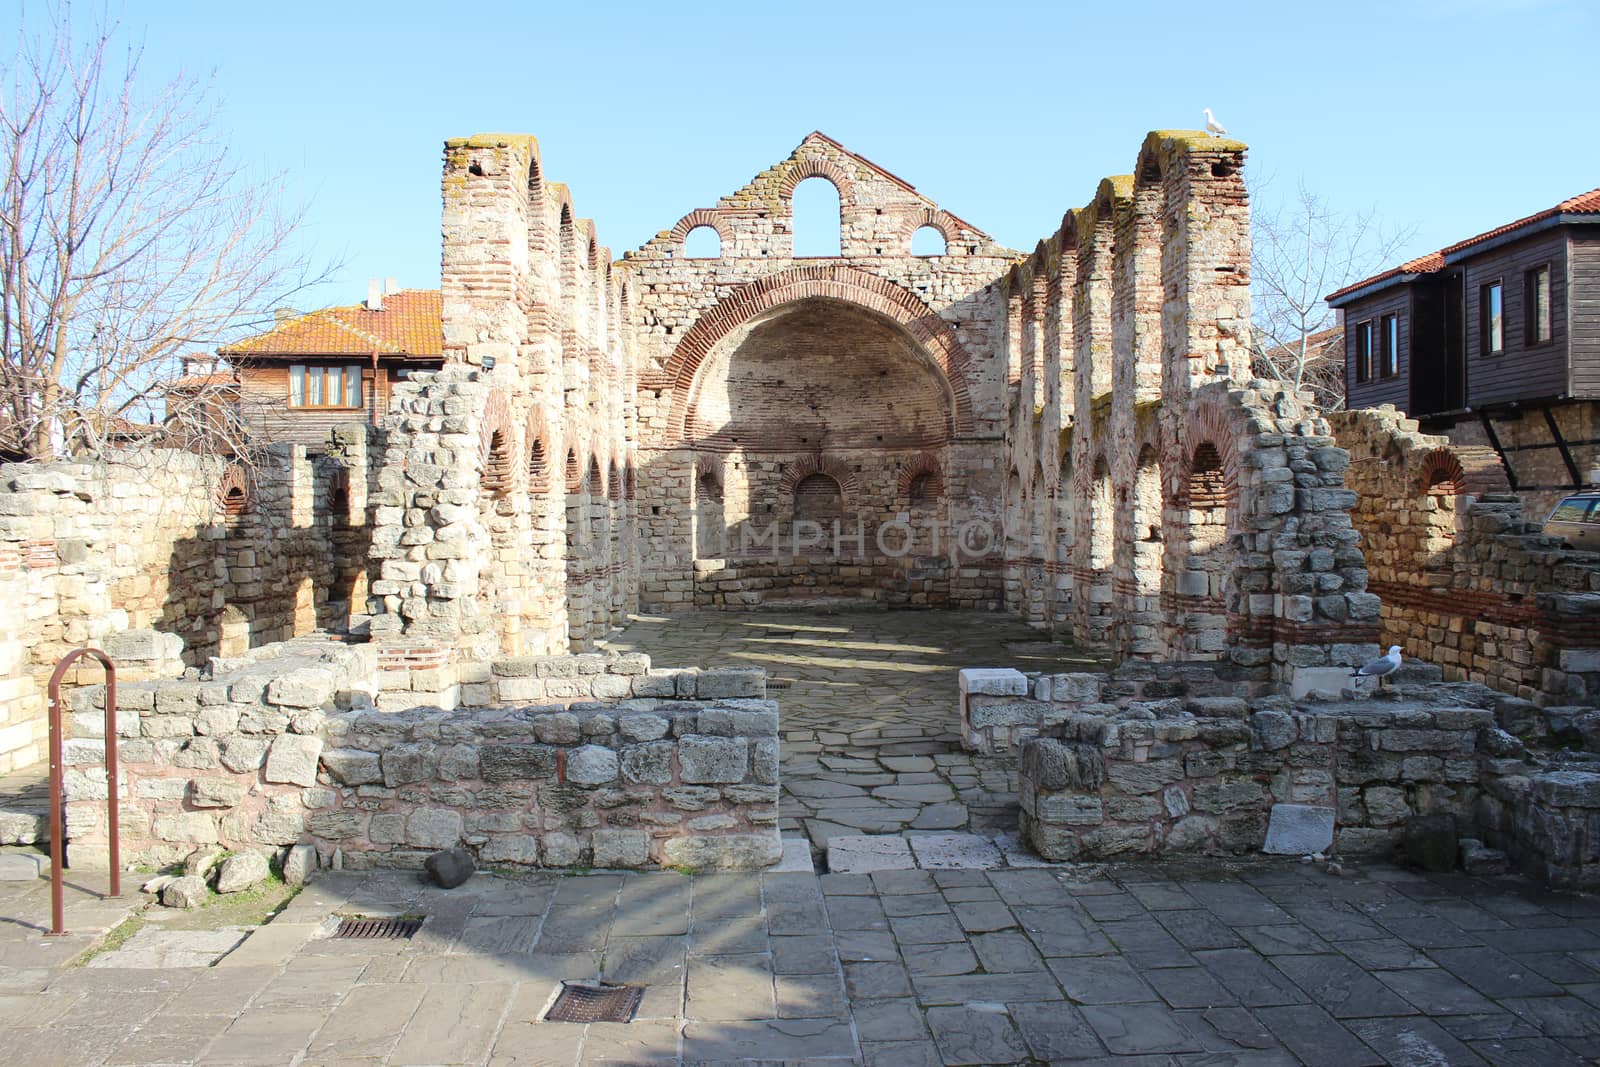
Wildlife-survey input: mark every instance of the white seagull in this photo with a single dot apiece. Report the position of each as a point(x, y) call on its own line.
point(1382, 666)
point(1213, 127)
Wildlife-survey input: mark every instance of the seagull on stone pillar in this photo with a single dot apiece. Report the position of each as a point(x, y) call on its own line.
point(1213, 127)
point(1381, 667)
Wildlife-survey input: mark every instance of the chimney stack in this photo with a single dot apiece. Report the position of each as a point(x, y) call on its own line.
point(374, 295)
point(391, 286)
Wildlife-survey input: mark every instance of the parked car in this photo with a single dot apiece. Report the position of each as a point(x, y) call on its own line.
point(1577, 518)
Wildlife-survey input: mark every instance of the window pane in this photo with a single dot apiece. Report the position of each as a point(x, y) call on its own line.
point(1573, 509)
point(352, 387)
point(1496, 312)
point(1537, 294)
point(1363, 351)
point(314, 386)
point(1391, 346)
point(297, 386)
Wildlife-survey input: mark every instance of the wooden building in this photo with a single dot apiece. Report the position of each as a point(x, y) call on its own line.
point(311, 372)
point(1493, 340)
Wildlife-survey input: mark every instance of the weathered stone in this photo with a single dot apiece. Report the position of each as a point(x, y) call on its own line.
point(217, 792)
point(450, 868)
point(1430, 841)
point(241, 871)
point(292, 758)
point(299, 864)
point(508, 763)
point(710, 759)
point(189, 891)
point(352, 766)
point(433, 828)
point(648, 763)
point(1298, 830)
point(621, 848)
point(591, 765)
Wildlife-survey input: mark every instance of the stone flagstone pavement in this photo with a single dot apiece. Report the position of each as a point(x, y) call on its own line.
point(1266, 962)
point(868, 703)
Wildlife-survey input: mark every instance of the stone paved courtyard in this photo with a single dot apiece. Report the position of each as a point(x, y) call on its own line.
point(869, 712)
point(1267, 962)
point(1260, 961)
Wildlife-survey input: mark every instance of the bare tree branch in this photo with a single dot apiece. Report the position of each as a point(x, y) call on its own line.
point(129, 239)
point(1300, 252)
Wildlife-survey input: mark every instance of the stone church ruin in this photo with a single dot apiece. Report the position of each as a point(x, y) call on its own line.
point(395, 643)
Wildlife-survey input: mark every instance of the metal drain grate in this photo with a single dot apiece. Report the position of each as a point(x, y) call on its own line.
point(779, 683)
point(359, 929)
point(583, 1002)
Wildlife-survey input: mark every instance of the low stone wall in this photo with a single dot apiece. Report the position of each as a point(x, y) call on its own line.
point(643, 782)
point(625, 766)
point(1118, 772)
point(1000, 709)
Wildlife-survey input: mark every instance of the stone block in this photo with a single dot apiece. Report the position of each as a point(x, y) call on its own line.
point(713, 759)
point(407, 763)
point(560, 850)
point(433, 828)
point(591, 765)
point(723, 684)
point(725, 852)
point(863, 854)
point(189, 891)
point(304, 687)
point(1431, 842)
point(217, 792)
point(511, 763)
point(241, 871)
point(292, 758)
point(621, 848)
point(1298, 830)
point(993, 681)
point(299, 864)
point(449, 868)
point(352, 766)
point(648, 763)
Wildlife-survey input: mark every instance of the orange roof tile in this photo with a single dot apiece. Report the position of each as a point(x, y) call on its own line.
point(1582, 204)
point(410, 326)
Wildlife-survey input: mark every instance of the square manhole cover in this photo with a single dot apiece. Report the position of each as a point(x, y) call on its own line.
point(591, 1002)
point(357, 928)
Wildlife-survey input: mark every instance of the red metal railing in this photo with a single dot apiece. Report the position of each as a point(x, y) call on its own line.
point(58, 844)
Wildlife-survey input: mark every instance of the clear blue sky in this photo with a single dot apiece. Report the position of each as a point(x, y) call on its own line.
point(1448, 115)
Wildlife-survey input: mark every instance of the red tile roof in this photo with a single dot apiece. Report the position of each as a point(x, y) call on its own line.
point(409, 326)
point(1582, 204)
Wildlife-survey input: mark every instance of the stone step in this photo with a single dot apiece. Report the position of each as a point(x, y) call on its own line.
point(25, 807)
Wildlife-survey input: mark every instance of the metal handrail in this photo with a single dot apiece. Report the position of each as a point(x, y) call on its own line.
point(58, 845)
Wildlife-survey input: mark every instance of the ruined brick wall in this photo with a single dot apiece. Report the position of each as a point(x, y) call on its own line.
point(874, 370)
point(222, 556)
point(1467, 582)
point(1157, 502)
point(505, 500)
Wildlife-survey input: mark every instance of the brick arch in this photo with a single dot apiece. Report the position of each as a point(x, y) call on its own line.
point(235, 493)
point(495, 444)
point(708, 465)
point(916, 466)
point(868, 291)
point(934, 218)
point(1208, 424)
point(1442, 473)
point(702, 216)
point(804, 467)
point(539, 460)
point(799, 170)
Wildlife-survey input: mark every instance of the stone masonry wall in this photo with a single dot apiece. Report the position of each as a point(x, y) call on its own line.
point(1466, 581)
point(222, 557)
point(624, 766)
point(1153, 759)
point(866, 369)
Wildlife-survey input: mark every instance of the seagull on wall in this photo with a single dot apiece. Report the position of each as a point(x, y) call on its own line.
point(1383, 666)
point(1213, 127)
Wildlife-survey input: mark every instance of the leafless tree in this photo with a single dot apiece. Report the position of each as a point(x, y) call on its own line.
point(129, 238)
point(1301, 251)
